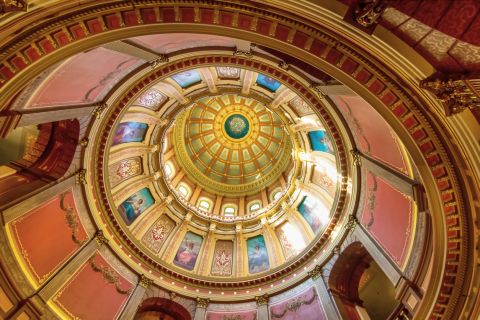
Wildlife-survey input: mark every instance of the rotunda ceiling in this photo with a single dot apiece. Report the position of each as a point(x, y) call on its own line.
point(231, 145)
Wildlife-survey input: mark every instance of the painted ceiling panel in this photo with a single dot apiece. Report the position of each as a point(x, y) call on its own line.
point(84, 78)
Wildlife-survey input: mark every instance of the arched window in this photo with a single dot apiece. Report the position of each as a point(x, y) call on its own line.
point(205, 204)
point(275, 194)
point(254, 206)
point(169, 170)
point(184, 190)
point(229, 211)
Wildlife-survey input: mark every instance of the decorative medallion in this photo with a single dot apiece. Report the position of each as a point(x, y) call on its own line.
point(236, 126)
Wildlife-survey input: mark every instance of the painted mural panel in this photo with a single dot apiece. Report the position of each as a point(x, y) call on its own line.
point(129, 132)
point(314, 213)
point(88, 294)
point(158, 233)
point(222, 258)
point(187, 78)
point(257, 254)
point(228, 72)
point(319, 141)
point(152, 99)
point(123, 170)
point(300, 106)
point(387, 215)
point(187, 253)
point(291, 240)
point(304, 306)
point(237, 315)
point(135, 205)
point(325, 177)
point(268, 82)
point(48, 235)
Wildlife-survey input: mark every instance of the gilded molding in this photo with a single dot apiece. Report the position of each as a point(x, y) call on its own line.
point(357, 159)
point(454, 93)
point(202, 302)
point(98, 110)
point(262, 300)
point(81, 177)
point(12, 6)
point(316, 272)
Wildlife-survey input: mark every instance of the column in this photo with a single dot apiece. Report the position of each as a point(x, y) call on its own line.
point(201, 311)
point(203, 269)
point(262, 307)
point(136, 298)
point(328, 304)
point(76, 262)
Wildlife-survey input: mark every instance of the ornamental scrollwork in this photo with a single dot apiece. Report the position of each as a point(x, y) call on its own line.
point(261, 300)
point(316, 272)
point(238, 52)
point(145, 282)
point(202, 302)
point(81, 177)
point(456, 93)
point(109, 276)
point(71, 218)
point(294, 305)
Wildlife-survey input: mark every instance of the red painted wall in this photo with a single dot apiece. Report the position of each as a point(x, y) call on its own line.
point(88, 296)
point(44, 238)
point(387, 215)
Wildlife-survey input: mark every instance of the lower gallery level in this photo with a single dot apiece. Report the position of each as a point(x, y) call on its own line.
point(239, 160)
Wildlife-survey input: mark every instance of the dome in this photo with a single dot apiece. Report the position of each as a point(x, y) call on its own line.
point(216, 160)
point(228, 143)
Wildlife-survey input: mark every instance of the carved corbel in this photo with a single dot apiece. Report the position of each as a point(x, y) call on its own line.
point(316, 272)
point(158, 61)
point(202, 302)
point(99, 108)
point(455, 91)
point(367, 12)
point(13, 6)
point(238, 52)
point(262, 300)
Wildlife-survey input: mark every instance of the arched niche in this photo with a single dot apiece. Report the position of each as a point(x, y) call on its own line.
point(161, 308)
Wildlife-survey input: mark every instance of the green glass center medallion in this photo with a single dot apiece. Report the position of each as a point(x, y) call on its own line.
point(237, 126)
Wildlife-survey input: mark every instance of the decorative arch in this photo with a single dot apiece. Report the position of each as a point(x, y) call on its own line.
point(161, 308)
point(43, 45)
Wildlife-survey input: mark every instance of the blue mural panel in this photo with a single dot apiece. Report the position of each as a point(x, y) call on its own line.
point(129, 132)
point(187, 78)
point(268, 83)
point(320, 141)
point(135, 205)
point(311, 211)
point(187, 253)
point(257, 254)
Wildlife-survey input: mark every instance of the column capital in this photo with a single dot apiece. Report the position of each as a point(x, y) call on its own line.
point(316, 272)
point(145, 281)
point(202, 302)
point(261, 300)
point(100, 238)
point(356, 155)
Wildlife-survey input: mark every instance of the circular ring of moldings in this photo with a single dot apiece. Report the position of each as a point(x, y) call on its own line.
point(135, 249)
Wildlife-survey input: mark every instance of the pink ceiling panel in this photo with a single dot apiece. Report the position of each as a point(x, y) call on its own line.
point(166, 43)
point(373, 135)
point(84, 78)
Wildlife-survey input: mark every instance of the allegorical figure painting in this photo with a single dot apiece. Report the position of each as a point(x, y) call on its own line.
point(187, 254)
point(320, 141)
point(135, 205)
point(129, 132)
point(123, 170)
point(313, 212)
point(257, 254)
point(268, 82)
point(222, 258)
point(187, 78)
